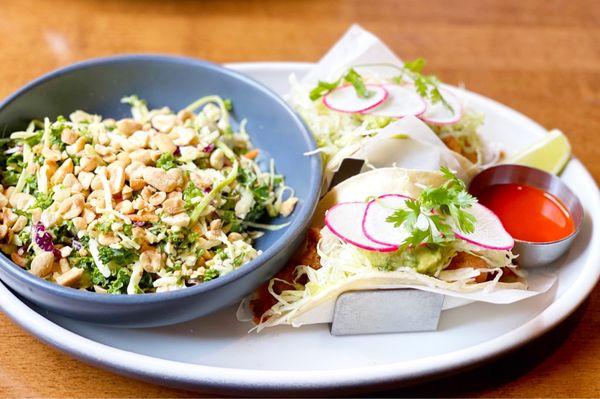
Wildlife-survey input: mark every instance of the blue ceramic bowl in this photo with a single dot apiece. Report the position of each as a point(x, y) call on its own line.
point(97, 86)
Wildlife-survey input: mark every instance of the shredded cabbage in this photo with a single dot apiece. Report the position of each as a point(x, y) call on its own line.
point(343, 263)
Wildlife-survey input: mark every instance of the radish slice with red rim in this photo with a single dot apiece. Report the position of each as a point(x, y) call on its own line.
point(345, 99)
point(375, 225)
point(344, 220)
point(440, 114)
point(489, 232)
point(401, 102)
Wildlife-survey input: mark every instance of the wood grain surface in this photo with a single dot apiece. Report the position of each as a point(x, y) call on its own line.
point(539, 57)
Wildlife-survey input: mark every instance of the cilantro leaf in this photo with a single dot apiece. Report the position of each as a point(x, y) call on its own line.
point(427, 86)
point(415, 65)
point(429, 219)
point(356, 80)
point(322, 88)
point(352, 77)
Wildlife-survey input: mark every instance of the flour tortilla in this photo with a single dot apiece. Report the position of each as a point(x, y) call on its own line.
point(374, 183)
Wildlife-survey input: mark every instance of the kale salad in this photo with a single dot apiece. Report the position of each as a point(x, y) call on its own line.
point(156, 202)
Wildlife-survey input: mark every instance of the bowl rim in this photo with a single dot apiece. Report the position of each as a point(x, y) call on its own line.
point(297, 227)
point(577, 221)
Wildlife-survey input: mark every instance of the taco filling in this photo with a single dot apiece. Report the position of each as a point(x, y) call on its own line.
point(440, 237)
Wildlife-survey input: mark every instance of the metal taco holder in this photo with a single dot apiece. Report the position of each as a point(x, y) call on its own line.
point(382, 311)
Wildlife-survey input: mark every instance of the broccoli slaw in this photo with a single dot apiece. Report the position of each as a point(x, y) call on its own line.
point(156, 202)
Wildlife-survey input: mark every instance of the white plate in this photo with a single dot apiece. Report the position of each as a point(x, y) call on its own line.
point(216, 354)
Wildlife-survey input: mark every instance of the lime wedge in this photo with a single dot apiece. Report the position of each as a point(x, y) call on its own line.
point(551, 153)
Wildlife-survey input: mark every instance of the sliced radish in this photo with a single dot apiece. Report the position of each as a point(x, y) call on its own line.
point(439, 114)
point(344, 220)
point(375, 225)
point(401, 102)
point(489, 232)
point(345, 99)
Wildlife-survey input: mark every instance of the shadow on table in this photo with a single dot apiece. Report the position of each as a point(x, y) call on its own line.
point(504, 370)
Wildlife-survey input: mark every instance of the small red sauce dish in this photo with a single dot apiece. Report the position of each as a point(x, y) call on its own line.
point(541, 213)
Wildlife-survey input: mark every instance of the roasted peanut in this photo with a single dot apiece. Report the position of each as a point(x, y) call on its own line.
point(85, 178)
point(128, 126)
point(125, 207)
point(71, 207)
point(161, 179)
point(63, 265)
point(147, 192)
point(108, 239)
point(18, 259)
point(96, 199)
point(68, 136)
point(126, 192)
point(42, 264)
point(200, 180)
point(72, 183)
point(21, 201)
point(137, 184)
point(138, 139)
point(141, 155)
point(157, 198)
point(116, 177)
point(217, 159)
point(164, 143)
point(182, 135)
point(70, 278)
point(234, 237)
point(184, 115)
point(3, 231)
point(181, 220)
point(164, 123)
point(151, 261)
point(173, 206)
point(76, 147)
point(51, 155)
point(287, 206)
point(216, 224)
point(19, 224)
point(88, 215)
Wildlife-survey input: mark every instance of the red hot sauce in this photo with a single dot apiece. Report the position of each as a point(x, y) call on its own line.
point(528, 213)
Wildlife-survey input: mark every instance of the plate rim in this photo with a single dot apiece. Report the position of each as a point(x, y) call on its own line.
point(223, 379)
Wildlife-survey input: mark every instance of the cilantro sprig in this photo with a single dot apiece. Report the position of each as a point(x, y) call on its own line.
point(426, 85)
point(352, 77)
point(429, 219)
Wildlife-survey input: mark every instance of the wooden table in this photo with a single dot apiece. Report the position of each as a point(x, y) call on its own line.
point(540, 57)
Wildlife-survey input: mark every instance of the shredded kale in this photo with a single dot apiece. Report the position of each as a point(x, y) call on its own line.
point(166, 161)
point(117, 256)
point(211, 274)
point(43, 200)
point(189, 193)
point(120, 282)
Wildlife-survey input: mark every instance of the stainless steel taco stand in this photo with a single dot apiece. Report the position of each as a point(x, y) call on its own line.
point(386, 311)
point(382, 311)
